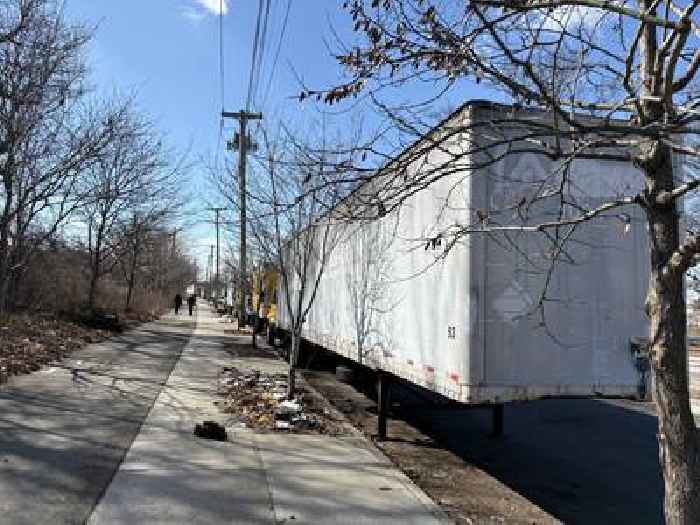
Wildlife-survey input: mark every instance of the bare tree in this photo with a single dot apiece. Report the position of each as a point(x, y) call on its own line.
point(16, 17)
point(303, 241)
point(134, 241)
point(133, 177)
point(587, 81)
point(163, 267)
point(49, 133)
point(288, 229)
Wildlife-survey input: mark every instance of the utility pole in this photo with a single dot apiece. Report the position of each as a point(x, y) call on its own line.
point(211, 271)
point(243, 144)
point(216, 279)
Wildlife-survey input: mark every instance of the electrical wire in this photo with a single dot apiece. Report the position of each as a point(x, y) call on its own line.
point(263, 46)
point(275, 61)
point(222, 79)
point(266, 93)
point(254, 59)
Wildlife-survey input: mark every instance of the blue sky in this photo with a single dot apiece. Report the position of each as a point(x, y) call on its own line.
point(167, 52)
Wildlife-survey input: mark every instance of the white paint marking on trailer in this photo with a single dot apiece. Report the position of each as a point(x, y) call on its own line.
point(513, 303)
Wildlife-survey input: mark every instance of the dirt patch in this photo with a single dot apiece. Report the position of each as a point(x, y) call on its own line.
point(28, 342)
point(465, 492)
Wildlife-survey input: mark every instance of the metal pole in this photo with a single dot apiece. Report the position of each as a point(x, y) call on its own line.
point(211, 272)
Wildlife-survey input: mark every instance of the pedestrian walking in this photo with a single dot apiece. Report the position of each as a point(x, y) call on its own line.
point(178, 304)
point(191, 302)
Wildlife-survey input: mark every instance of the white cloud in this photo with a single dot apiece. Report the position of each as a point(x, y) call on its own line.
point(216, 7)
point(197, 10)
point(193, 15)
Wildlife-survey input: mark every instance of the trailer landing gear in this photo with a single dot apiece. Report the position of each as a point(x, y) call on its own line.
point(383, 394)
point(497, 420)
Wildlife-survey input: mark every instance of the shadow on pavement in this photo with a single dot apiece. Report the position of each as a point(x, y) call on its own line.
point(64, 429)
point(580, 460)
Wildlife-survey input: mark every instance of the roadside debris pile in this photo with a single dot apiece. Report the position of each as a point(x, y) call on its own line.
point(27, 343)
point(210, 430)
point(259, 401)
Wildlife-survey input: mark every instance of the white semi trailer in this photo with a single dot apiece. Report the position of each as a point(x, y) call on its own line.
point(466, 325)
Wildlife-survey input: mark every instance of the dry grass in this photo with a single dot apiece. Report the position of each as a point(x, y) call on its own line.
point(29, 341)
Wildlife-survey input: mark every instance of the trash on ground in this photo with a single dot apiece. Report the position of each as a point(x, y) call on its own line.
point(210, 430)
point(259, 400)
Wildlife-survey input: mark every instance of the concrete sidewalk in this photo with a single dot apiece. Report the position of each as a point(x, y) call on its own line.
point(65, 429)
point(169, 476)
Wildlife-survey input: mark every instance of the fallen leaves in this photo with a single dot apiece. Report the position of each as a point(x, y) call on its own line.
point(28, 342)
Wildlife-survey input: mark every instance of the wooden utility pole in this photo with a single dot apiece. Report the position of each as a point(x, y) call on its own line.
point(242, 144)
point(211, 271)
point(216, 279)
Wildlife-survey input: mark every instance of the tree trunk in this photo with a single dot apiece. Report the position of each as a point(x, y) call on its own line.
point(15, 264)
point(5, 246)
point(94, 278)
point(293, 358)
point(93, 286)
point(678, 438)
point(130, 284)
point(4, 269)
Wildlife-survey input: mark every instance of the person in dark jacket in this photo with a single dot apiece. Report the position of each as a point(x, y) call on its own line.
point(178, 304)
point(191, 302)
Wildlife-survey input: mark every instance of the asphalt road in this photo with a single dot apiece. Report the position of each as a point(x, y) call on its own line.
point(64, 430)
point(580, 460)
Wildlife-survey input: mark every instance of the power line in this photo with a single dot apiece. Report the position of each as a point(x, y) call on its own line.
point(263, 45)
point(277, 53)
point(222, 81)
point(258, 59)
point(254, 58)
point(273, 69)
point(221, 53)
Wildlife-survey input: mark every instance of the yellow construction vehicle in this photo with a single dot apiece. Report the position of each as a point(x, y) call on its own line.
point(265, 294)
